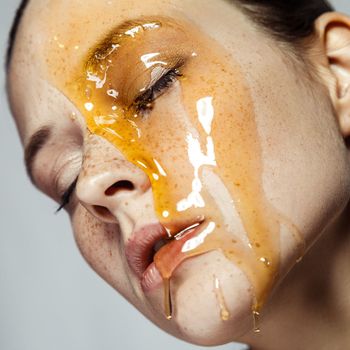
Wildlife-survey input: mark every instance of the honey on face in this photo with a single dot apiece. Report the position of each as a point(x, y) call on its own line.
point(174, 103)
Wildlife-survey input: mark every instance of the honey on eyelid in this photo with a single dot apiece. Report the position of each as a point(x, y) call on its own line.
point(204, 121)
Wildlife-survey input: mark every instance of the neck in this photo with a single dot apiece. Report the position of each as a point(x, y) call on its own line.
point(311, 308)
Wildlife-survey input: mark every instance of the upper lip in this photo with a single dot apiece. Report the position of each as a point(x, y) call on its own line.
point(140, 248)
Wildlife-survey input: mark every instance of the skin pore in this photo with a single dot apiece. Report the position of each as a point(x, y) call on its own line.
point(279, 176)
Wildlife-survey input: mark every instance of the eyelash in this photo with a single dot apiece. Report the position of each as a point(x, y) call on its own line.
point(144, 102)
point(67, 195)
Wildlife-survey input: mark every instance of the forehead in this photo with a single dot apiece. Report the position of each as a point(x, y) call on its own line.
point(70, 28)
point(65, 30)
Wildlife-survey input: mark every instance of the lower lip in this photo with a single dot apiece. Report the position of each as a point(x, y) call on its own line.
point(152, 279)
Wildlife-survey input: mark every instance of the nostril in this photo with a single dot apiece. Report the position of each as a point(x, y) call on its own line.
point(122, 185)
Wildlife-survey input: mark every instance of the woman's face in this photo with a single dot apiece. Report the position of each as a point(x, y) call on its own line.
point(203, 161)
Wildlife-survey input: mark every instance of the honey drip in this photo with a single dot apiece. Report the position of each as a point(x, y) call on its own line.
point(167, 299)
point(204, 120)
point(256, 317)
point(224, 313)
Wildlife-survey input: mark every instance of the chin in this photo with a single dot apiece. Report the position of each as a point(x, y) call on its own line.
point(212, 301)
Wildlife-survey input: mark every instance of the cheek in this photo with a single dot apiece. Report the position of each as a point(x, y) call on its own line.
point(99, 245)
point(206, 121)
point(305, 160)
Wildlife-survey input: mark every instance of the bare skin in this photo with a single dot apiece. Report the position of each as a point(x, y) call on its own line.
point(295, 129)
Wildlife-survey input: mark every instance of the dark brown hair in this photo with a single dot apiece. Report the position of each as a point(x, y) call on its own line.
point(13, 30)
point(289, 21)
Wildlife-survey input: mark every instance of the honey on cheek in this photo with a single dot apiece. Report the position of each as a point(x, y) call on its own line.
point(202, 119)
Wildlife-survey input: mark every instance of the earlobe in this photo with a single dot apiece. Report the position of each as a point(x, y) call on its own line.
point(333, 30)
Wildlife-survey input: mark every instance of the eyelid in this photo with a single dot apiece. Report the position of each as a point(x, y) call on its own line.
point(159, 72)
point(131, 83)
point(145, 100)
point(64, 176)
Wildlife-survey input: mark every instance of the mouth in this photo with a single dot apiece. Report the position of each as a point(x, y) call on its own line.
point(145, 243)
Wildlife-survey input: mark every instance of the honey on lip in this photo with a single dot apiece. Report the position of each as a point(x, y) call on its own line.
point(202, 119)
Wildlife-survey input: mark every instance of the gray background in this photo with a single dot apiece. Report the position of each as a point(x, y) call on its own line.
point(49, 298)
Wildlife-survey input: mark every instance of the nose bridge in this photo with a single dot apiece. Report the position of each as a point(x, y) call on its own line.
point(107, 178)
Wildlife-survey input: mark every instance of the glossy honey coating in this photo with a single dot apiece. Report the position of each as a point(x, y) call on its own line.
point(176, 111)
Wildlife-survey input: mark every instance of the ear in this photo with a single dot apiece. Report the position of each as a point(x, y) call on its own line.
point(333, 31)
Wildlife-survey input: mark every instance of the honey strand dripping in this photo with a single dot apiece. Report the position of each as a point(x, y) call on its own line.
point(256, 317)
point(224, 313)
point(168, 307)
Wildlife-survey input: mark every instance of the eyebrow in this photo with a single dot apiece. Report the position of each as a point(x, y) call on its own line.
point(107, 44)
point(36, 142)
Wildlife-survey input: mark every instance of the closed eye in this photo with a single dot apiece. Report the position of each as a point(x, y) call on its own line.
point(66, 197)
point(144, 102)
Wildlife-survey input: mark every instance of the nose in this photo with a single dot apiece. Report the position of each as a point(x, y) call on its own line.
point(108, 180)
